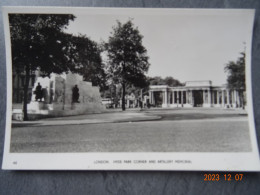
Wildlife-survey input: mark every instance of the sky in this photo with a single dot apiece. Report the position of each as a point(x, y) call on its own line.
point(189, 46)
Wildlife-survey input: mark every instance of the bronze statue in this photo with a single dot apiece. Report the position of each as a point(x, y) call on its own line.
point(75, 94)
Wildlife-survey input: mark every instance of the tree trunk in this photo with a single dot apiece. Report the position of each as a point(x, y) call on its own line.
point(123, 87)
point(25, 96)
point(123, 96)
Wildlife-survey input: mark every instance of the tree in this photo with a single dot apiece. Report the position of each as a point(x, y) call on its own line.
point(128, 60)
point(170, 81)
point(90, 62)
point(236, 76)
point(38, 42)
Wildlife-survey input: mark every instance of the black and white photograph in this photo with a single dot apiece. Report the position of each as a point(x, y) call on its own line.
point(129, 89)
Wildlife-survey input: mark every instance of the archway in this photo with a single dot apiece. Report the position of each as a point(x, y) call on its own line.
point(198, 98)
point(158, 98)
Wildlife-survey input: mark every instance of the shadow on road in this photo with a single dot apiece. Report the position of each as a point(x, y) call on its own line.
point(23, 124)
point(193, 116)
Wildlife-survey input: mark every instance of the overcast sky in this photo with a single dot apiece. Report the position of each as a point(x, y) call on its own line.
point(185, 46)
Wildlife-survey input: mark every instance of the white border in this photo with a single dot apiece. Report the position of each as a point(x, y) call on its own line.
point(248, 161)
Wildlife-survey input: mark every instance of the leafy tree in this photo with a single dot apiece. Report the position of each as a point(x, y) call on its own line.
point(38, 42)
point(156, 80)
point(89, 60)
point(128, 60)
point(170, 81)
point(236, 76)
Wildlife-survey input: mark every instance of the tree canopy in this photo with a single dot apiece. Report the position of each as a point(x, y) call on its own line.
point(38, 41)
point(128, 60)
point(89, 61)
point(236, 73)
point(170, 81)
point(236, 78)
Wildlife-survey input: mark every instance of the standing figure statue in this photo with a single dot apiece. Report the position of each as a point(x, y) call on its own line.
point(75, 94)
point(38, 92)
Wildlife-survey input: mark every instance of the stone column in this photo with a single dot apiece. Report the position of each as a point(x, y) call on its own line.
point(187, 99)
point(209, 97)
point(177, 92)
point(204, 96)
point(182, 98)
point(191, 98)
point(235, 97)
point(213, 97)
point(228, 99)
point(232, 98)
point(165, 97)
point(150, 97)
point(217, 97)
point(168, 98)
point(153, 97)
point(172, 97)
point(238, 99)
point(223, 98)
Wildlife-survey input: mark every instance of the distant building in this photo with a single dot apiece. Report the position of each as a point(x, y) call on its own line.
point(107, 102)
point(131, 101)
point(194, 94)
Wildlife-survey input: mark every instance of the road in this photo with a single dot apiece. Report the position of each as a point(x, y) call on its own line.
point(155, 130)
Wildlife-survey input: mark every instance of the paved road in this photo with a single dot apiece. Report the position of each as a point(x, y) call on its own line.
point(178, 130)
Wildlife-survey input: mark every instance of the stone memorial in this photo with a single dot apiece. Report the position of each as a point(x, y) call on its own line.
point(63, 95)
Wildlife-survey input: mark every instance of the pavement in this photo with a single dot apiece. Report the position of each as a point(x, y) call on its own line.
point(137, 115)
point(113, 116)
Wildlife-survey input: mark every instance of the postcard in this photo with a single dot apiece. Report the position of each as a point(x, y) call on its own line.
point(129, 89)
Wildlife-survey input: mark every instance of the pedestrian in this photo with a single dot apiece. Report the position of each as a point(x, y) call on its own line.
point(148, 105)
point(141, 104)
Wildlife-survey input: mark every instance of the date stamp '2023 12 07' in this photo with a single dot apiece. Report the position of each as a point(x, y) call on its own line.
point(225, 177)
